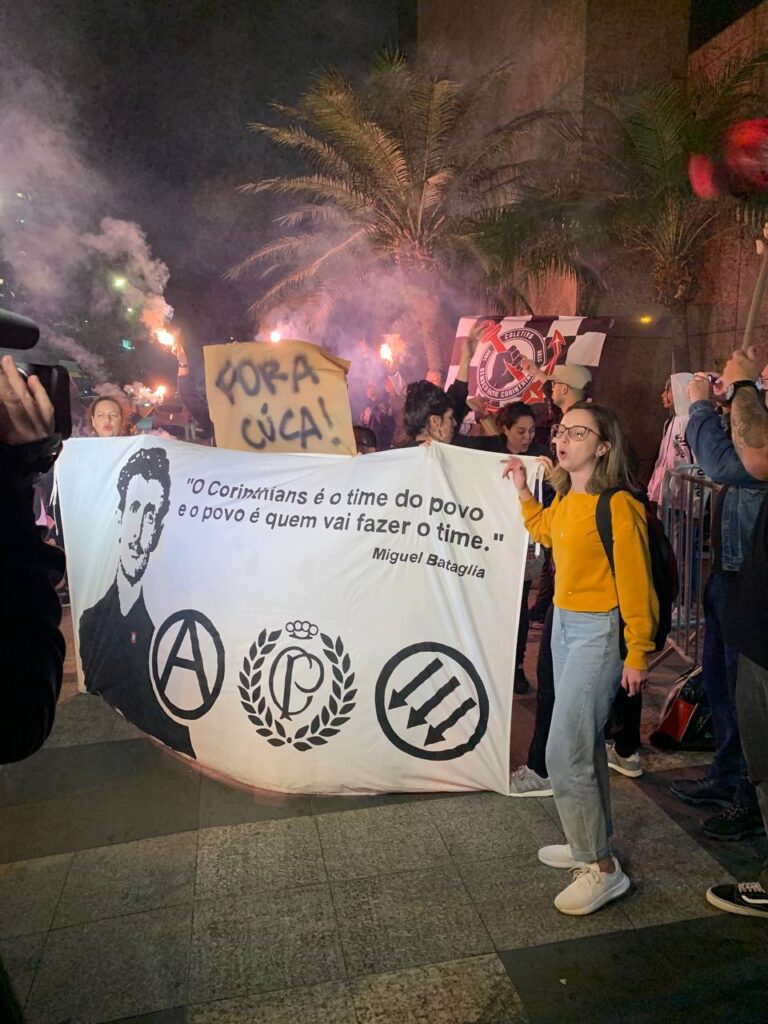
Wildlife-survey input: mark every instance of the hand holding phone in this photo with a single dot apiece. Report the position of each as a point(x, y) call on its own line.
point(26, 411)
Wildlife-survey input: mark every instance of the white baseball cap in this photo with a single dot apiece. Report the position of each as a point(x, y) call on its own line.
point(572, 374)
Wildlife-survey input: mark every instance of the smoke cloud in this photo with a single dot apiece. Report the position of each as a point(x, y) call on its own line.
point(57, 238)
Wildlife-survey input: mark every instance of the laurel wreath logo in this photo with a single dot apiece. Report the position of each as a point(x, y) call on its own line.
point(326, 723)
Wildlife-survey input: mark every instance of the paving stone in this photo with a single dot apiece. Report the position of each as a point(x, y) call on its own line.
point(670, 877)
point(406, 919)
point(272, 941)
point(357, 802)
point(20, 957)
point(263, 856)
point(105, 970)
point(224, 804)
point(514, 897)
point(29, 892)
point(99, 817)
point(129, 878)
point(459, 992)
point(485, 826)
point(636, 814)
point(379, 840)
point(57, 773)
point(83, 719)
point(319, 1004)
point(704, 971)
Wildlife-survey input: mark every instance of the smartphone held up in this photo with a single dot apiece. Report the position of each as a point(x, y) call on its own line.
point(17, 332)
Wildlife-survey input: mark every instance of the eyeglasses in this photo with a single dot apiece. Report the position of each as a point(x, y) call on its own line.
point(575, 433)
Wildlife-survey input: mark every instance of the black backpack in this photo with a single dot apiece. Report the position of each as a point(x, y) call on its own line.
point(663, 564)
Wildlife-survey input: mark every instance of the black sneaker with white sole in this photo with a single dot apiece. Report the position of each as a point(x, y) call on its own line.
point(746, 898)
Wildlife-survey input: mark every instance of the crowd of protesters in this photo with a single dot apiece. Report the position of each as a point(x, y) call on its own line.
point(600, 624)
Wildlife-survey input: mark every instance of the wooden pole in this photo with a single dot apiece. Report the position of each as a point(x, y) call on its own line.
point(758, 294)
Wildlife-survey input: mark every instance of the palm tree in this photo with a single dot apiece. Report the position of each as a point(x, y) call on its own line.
point(655, 213)
point(626, 189)
point(403, 177)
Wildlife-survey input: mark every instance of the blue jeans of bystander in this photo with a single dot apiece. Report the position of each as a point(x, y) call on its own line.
point(587, 669)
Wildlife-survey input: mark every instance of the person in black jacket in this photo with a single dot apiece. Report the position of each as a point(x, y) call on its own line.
point(30, 613)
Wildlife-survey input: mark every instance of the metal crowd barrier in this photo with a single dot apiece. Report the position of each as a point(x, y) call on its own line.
point(686, 513)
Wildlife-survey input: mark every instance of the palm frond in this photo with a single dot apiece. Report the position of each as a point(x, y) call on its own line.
point(323, 156)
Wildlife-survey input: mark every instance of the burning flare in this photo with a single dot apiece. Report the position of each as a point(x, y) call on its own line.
point(275, 336)
point(165, 337)
point(386, 352)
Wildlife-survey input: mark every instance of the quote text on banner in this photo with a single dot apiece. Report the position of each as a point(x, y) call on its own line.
point(301, 624)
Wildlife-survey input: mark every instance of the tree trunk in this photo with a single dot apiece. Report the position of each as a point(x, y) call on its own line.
point(681, 348)
point(426, 313)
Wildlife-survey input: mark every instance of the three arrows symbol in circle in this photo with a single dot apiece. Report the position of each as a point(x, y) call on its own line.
point(418, 715)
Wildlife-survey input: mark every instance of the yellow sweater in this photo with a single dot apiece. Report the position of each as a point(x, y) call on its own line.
point(583, 580)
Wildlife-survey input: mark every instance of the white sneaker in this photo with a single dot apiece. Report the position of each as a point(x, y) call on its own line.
point(525, 782)
point(559, 857)
point(591, 889)
point(629, 766)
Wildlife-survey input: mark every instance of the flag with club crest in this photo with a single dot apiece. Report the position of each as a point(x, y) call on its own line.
point(496, 373)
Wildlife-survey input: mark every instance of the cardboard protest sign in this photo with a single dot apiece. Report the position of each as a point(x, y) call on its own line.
point(301, 623)
point(288, 397)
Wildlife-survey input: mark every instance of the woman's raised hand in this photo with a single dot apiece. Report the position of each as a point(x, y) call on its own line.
point(514, 468)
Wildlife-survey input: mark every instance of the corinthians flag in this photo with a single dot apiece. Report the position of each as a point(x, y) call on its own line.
point(495, 372)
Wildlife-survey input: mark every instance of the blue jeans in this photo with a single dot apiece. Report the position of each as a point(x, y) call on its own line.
point(587, 667)
point(719, 665)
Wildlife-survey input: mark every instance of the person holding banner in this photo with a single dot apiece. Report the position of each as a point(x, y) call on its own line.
point(431, 414)
point(590, 605)
point(516, 436)
point(108, 418)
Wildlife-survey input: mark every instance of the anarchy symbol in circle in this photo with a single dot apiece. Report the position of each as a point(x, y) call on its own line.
point(198, 678)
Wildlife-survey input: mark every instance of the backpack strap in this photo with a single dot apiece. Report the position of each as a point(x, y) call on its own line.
point(605, 523)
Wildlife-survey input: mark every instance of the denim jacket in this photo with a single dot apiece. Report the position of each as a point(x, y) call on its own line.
point(715, 454)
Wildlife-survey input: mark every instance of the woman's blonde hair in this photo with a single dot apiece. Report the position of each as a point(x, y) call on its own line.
point(611, 469)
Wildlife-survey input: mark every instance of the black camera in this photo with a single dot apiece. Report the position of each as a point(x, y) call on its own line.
point(17, 332)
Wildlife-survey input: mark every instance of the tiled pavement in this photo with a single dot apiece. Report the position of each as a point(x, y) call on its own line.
point(134, 888)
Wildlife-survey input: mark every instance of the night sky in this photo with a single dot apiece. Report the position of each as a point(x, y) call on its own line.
point(163, 93)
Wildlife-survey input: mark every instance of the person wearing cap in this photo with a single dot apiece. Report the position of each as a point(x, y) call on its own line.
point(569, 382)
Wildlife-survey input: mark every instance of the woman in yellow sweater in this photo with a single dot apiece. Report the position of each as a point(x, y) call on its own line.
point(588, 669)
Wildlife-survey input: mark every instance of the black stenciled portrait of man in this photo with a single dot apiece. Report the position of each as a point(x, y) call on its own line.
point(116, 634)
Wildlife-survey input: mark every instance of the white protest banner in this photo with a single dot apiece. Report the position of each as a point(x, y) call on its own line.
point(288, 397)
point(301, 623)
point(495, 372)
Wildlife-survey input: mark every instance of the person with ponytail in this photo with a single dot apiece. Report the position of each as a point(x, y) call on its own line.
point(591, 607)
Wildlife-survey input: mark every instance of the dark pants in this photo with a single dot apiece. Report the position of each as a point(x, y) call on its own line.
point(752, 703)
point(719, 668)
point(522, 627)
point(624, 726)
point(546, 588)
